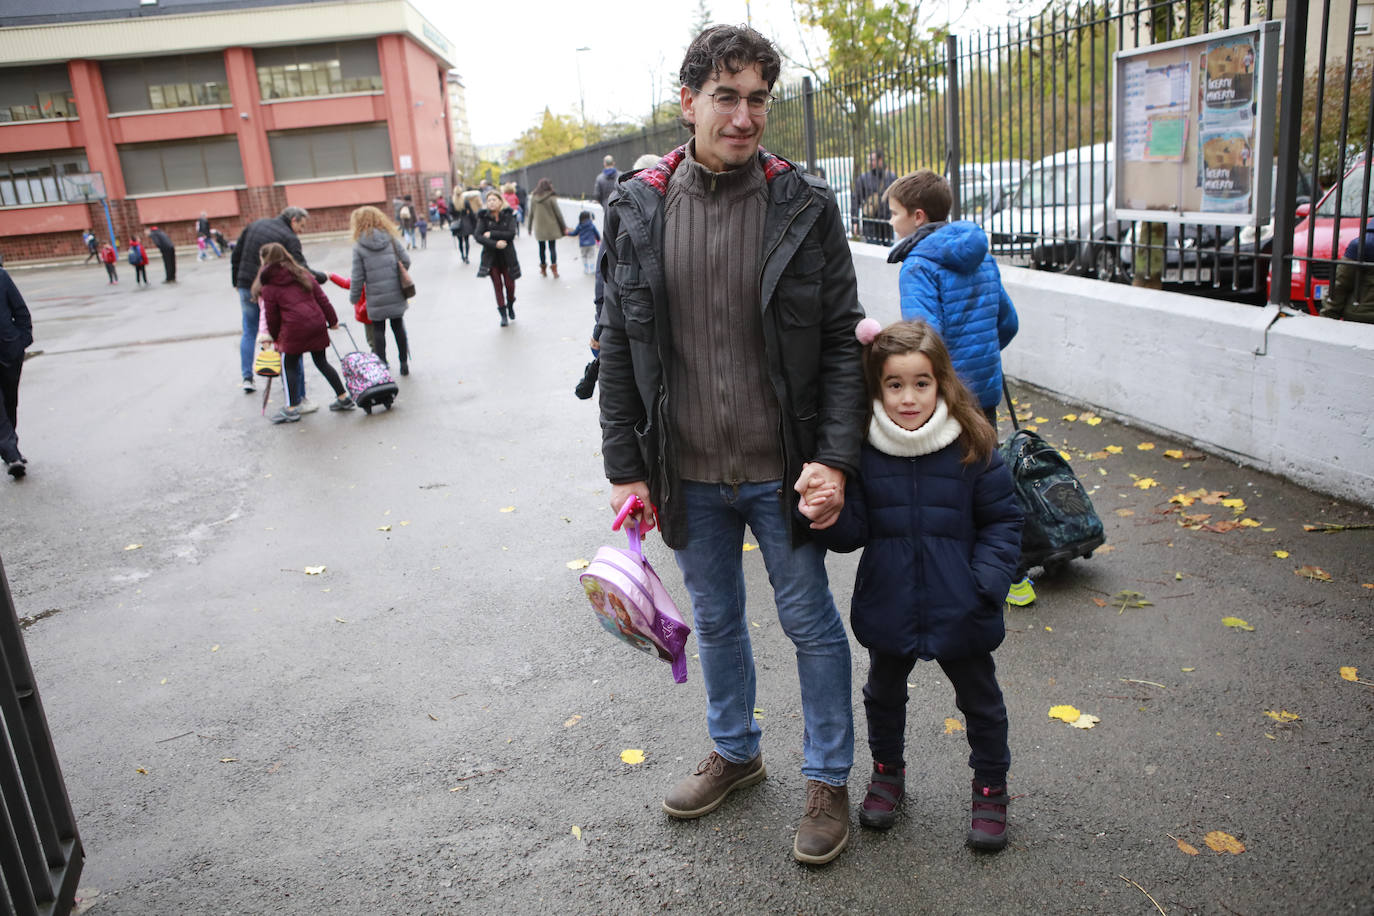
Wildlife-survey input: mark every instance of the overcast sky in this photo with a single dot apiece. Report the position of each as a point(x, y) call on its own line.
point(523, 55)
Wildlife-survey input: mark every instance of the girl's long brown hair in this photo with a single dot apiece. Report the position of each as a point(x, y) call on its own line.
point(276, 253)
point(978, 438)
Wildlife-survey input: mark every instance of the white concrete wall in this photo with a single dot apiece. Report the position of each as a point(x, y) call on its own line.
point(1289, 394)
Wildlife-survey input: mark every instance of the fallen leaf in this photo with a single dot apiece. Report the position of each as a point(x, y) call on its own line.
point(1099, 602)
point(758, 712)
point(1237, 623)
point(1042, 419)
point(1237, 504)
point(1145, 483)
point(214, 648)
point(141, 770)
point(1071, 417)
point(1178, 577)
point(340, 620)
point(1249, 523)
point(1185, 670)
point(572, 720)
point(1096, 456)
point(507, 508)
point(1283, 715)
point(1224, 842)
point(577, 831)
point(1281, 554)
point(577, 564)
point(952, 726)
point(1313, 572)
point(134, 547)
point(749, 547)
point(403, 524)
point(1093, 421)
point(228, 760)
point(1146, 446)
point(383, 527)
point(1130, 599)
point(314, 570)
point(1065, 455)
point(1367, 585)
point(432, 716)
point(1065, 713)
point(1085, 721)
point(1105, 548)
point(632, 756)
point(1177, 455)
point(1350, 673)
point(1114, 449)
point(1183, 499)
point(1185, 847)
point(1049, 629)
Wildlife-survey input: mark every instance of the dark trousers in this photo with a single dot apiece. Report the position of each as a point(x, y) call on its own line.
point(292, 368)
point(464, 243)
point(500, 277)
point(975, 693)
point(140, 273)
point(9, 406)
point(110, 270)
point(169, 263)
point(398, 330)
point(553, 252)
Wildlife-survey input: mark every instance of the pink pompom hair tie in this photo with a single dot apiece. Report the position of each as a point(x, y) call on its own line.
point(867, 330)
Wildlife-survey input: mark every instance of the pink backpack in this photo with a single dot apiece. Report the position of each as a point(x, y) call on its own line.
point(631, 602)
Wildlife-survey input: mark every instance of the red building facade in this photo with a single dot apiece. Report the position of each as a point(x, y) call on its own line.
point(345, 105)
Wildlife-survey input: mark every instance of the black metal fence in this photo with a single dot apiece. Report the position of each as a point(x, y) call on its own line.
point(40, 851)
point(985, 109)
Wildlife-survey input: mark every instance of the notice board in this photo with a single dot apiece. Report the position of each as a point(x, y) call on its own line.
point(1193, 127)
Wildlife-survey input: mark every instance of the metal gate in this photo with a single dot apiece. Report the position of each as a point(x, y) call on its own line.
point(40, 852)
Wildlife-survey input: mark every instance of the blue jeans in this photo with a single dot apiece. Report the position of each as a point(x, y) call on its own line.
point(712, 567)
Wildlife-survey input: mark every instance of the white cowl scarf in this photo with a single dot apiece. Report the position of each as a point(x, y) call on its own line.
point(890, 439)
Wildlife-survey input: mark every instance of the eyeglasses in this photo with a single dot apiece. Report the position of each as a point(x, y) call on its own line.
point(725, 101)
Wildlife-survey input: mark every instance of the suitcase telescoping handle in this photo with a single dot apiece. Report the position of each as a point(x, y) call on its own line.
point(337, 354)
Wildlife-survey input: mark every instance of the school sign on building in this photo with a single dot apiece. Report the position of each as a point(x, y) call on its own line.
point(237, 109)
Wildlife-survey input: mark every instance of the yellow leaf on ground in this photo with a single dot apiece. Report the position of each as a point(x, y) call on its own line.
point(632, 756)
point(1042, 419)
point(758, 712)
point(1237, 623)
point(383, 527)
point(1177, 455)
point(1145, 483)
point(1282, 715)
point(749, 547)
point(1125, 513)
point(1099, 602)
point(1114, 449)
point(1313, 572)
point(1237, 504)
point(1367, 585)
point(314, 570)
point(1085, 721)
point(134, 547)
point(952, 726)
point(507, 508)
point(572, 720)
point(579, 563)
point(1105, 548)
point(1182, 499)
point(1224, 842)
point(1071, 417)
point(1064, 713)
point(1093, 421)
point(577, 831)
point(1146, 446)
point(1249, 523)
point(1186, 847)
point(1049, 629)
point(1096, 456)
point(1281, 554)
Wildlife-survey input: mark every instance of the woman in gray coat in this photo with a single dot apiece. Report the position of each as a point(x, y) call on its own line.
point(377, 253)
point(546, 222)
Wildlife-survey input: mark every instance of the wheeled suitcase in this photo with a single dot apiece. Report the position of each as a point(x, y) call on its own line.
point(1060, 521)
point(366, 377)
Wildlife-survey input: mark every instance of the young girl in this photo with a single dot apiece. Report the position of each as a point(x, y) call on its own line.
point(139, 259)
point(587, 239)
point(935, 511)
point(299, 317)
point(496, 230)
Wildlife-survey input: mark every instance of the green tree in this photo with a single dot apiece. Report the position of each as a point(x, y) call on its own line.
point(554, 135)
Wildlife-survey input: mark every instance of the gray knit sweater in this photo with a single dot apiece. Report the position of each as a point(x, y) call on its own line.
point(721, 402)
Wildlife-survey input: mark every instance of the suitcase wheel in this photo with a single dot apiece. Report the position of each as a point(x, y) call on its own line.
point(367, 409)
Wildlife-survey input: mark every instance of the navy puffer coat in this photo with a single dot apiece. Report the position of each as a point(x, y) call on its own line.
point(941, 539)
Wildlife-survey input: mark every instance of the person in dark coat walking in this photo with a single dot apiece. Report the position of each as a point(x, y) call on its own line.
point(283, 229)
point(299, 317)
point(464, 222)
point(604, 186)
point(868, 207)
point(496, 230)
point(16, 334)
point(168, 251)
point(934, 508)
point(377, 256)
point(94, 251)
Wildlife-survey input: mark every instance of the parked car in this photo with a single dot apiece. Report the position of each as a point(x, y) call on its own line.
point(1313, 270)
point(1061, 214)
point(985, 186)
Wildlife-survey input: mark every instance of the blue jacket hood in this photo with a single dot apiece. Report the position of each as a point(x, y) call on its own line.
point(959, 247)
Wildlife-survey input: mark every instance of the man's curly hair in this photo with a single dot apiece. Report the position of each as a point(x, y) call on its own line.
point(729, 48)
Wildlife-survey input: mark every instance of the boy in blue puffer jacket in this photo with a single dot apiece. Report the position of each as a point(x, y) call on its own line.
point(949, 280)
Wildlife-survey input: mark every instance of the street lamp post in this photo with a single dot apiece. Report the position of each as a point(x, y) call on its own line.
point(581, 98)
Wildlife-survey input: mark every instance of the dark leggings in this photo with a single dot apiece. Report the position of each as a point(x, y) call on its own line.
point(110, 269)
point(500, 276)
point(291, 368)
point(398, 330)
point(464, 243)
point(140, 273)
point(553, 252)
point(975, 693)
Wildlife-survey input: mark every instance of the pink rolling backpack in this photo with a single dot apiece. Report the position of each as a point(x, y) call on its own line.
point(631, 602)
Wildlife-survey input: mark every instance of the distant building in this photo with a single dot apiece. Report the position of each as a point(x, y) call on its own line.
point(464, 154)
point(238, 108)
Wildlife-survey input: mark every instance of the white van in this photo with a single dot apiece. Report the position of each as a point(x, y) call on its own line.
point(1059, 212)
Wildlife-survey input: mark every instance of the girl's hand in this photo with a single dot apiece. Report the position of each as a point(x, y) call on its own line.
point(486, 235)
point(501, 244)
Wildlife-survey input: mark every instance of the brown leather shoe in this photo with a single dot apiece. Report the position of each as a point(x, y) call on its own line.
point(824, 829)
point(715, 777)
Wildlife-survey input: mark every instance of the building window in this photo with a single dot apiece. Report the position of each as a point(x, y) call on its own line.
point(36, 93)
point(310, 70)
point(1363, 16)
point(155, 83)
point(35, 178)
point(330, 152)
point(181, 165)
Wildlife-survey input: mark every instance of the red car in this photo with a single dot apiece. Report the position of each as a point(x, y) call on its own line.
point(1312, 273)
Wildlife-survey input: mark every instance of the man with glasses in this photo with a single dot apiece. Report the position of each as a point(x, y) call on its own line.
point(284, 229)
point(730, 379)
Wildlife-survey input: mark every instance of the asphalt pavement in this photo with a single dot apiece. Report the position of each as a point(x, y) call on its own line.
point(433, 722)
